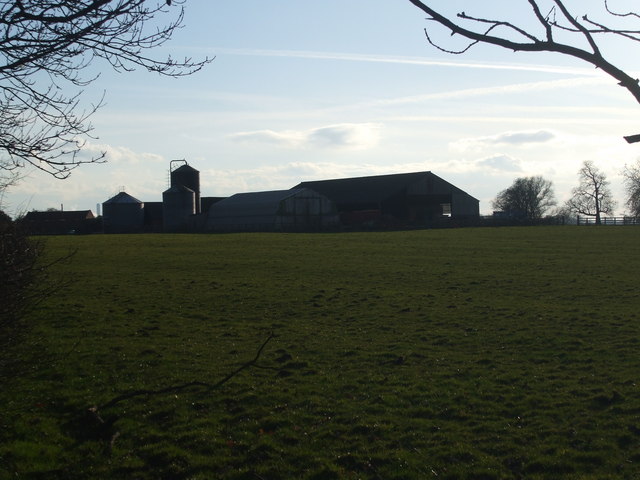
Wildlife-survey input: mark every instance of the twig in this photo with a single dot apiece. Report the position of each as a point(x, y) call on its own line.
point(183, 386)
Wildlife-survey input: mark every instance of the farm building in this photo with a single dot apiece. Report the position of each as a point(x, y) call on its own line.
point(56, 222)
point(299, 209)
point(123, 213)
point(418, 199)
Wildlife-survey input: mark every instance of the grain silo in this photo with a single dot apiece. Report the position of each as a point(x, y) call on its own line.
point(178, 205)
point(123, 214)
point(187, 177)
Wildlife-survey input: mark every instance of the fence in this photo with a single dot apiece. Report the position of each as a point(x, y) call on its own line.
point(609, 221)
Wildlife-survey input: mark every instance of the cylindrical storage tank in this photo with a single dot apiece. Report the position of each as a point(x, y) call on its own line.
point(123, 214)
point(187, 177)
point(178, 204)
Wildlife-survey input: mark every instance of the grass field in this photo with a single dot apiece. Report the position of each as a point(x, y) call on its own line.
point(448, 354)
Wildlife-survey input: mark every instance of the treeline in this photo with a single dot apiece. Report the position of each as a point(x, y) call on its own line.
point(532, 199)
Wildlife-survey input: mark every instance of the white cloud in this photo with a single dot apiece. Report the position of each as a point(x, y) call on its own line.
point(500, 163)
point(511, 138)
point(117, 155)
point(353, 136)
point(287, 138)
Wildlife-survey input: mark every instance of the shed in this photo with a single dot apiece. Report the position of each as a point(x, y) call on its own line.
point(299, 209)
point(419, 198)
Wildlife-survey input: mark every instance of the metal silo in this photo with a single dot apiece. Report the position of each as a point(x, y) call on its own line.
point(123, 214)
point(178, 204)
point(187, 177)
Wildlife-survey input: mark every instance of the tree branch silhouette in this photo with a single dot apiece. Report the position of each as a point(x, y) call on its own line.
point(183, 386)
point(560, 18)
point(46, 47)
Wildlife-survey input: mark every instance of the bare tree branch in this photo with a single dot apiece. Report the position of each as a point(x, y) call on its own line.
point(46, 46)
point(183, 386)
point(526, 41)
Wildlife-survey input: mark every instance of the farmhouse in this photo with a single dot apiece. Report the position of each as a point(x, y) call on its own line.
point(56, 222)
point(405, 199)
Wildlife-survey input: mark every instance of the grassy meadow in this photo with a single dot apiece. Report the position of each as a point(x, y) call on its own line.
point(502, 353)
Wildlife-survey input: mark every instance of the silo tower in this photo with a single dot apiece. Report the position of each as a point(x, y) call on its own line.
point(182, 175)
point(178, 204)
point(123, 214)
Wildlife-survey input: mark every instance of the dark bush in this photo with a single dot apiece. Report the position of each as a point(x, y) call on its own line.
point(18, 271)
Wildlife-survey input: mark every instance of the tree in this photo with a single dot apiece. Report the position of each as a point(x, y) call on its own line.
point(528, 198)
point(632, 184)
point(579, 34)
point(18, 254)
point(592, 196)
point(45, 47)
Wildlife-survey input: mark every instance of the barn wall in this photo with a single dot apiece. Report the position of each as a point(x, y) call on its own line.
point(463, 205)
point(306, 210)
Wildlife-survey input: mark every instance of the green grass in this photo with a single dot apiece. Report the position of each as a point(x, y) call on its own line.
point(459, 354)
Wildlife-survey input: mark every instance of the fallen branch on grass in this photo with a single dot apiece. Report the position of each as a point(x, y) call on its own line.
point(95, 411)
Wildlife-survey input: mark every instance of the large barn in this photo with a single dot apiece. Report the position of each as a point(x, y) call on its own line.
point(411, 199)
point(299, 209)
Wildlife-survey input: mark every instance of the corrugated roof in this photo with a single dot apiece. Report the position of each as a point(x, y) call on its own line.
point(179, 189)
point(368, 189)
point(122, 197)
point(253, 203)
point(374, 188)
point(185, 168)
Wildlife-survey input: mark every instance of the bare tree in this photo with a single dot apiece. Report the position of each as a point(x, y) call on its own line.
point(555, 21)
point(632, 183)
point(592, 197)
point(528, 198)
point(46, 46)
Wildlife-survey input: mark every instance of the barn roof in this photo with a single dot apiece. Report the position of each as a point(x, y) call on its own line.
point(373, 188)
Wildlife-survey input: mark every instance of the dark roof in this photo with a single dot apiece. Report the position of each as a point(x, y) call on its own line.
point(206, 202)
point(184, 168)
point(122, 197)
point(59, 216)
point(178, 189)
point(374, 188)
point(253, 203)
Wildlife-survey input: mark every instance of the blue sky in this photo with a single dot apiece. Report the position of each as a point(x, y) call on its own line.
point(317, 90)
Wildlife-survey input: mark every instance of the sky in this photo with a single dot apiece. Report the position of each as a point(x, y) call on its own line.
point(302, 90)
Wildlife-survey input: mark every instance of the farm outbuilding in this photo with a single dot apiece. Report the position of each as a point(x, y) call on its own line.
point(417, 199)
point(58, 222)
point(299, 209)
